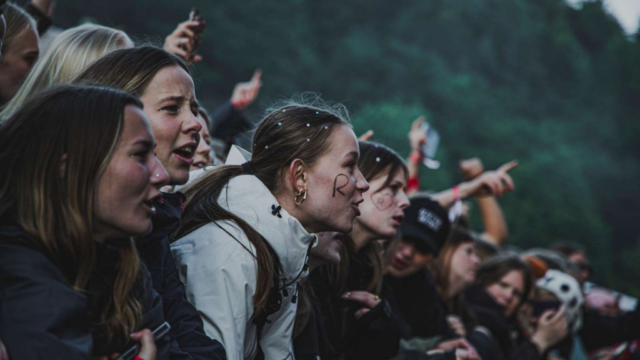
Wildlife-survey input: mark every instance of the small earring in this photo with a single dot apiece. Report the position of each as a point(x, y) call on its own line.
point(296, 194)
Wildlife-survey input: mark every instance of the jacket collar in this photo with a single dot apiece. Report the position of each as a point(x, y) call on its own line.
point(167, 218)
point(248, 198)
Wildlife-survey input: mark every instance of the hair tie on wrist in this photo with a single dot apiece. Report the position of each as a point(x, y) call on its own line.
point(246, 168)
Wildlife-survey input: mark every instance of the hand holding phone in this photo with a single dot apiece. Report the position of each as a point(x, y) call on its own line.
point(146, 349)
point(196, 16)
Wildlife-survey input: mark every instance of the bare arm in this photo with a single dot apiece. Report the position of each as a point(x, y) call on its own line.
point(489, 183)
point(417, 138)
point(495, 225)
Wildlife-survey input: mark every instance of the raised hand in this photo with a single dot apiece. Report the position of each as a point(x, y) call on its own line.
point(182, 41)
point(552, 328)
point(366, 136)
point(417, 137)
point(471, 168)
point(492, 183)
point(245, 93)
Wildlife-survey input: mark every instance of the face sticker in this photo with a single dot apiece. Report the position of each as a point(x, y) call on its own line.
point(340, 182)
point(382, 200)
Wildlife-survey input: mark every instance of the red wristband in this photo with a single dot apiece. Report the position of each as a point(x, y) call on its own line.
point(456, 193)
point(137, 358)
point(414, 184)
point(415, 158)
point(237, 105)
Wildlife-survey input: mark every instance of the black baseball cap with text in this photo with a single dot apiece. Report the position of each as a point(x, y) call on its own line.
point(426, 224)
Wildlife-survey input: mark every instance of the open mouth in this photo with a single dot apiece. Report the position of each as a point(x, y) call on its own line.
point(185, 153)
point(399, 264)
point(150, 207)
point(397, 220)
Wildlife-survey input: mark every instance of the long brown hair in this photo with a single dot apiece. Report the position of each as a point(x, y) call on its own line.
point(281, 138)
point(54, 199)
point(375, 160)
point(495, 268)
point(130, 70)
point(441, 269)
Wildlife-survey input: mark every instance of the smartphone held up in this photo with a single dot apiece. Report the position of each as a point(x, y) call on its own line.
point(430, 147)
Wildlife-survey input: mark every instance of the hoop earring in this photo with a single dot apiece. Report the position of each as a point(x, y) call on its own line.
point(296, 194)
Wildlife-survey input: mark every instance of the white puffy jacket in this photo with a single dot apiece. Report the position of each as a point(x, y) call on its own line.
point(220, 274)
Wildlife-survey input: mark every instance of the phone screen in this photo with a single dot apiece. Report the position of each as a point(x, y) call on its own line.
point(158, 333)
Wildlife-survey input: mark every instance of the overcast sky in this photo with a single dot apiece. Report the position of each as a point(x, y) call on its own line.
point(626, 11)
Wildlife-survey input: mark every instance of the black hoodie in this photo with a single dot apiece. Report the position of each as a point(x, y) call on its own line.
point(41, 316)
point(155, 252)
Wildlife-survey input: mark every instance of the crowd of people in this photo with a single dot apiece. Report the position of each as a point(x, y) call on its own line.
point(126, 206)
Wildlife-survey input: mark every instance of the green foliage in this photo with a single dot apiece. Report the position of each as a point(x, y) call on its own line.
point(555, 87)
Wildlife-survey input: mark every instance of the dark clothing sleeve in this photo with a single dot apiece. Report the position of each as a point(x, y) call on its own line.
point(227, 122)
point(186, 324)
point(418, 355)
point(44, 22)
point(41, 317)
point(155, 252)
point(600, 330)
point(375, 335)
point(525, 351)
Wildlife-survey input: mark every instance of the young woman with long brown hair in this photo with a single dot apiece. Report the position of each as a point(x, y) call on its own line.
point(80, 180)
point(503, 284)
point(249, 226)
point(359, 322)
point(164, 85)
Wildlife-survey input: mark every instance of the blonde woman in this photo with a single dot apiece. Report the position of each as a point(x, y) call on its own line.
point(70, 53)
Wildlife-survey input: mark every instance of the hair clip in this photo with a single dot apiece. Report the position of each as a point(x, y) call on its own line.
point(284, 110)
point(279, 124)
point(317, 113)
point(308, 140)
point(308, 125)
point(254, 145)
point(266, 146)
point(326, 127)
point(377, 159)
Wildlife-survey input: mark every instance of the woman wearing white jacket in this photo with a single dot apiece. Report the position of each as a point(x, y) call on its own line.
point(248, 227)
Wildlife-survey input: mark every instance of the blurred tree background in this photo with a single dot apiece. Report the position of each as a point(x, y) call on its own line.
point(553, 86)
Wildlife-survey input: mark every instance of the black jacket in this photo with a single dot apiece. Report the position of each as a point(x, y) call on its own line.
point(155, 252)
point(227, 123)
point(499, 343)
point(419, 308)
point(312, 342)
point(376, 335)
point(43, 317)
point(600, 330)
